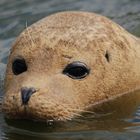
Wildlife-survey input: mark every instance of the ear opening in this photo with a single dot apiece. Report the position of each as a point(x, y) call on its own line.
point(107, 56)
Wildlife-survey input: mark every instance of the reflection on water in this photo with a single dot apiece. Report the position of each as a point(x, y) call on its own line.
point(121, 119)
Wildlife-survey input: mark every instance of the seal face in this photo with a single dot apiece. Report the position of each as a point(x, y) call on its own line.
point(66, 63)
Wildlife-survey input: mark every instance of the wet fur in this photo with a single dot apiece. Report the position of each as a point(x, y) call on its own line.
point(112, 54)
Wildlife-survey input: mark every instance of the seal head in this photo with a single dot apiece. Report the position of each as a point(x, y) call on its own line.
point(66, 63)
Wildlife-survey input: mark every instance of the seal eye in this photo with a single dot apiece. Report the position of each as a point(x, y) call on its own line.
point(76, 70)
point(19, 66)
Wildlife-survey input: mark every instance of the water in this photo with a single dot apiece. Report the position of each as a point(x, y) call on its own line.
point(121, 119)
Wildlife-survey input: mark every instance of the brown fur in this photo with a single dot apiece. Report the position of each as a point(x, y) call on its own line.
point(55, 41)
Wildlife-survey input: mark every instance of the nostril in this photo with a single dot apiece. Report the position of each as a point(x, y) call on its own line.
point(26, 93)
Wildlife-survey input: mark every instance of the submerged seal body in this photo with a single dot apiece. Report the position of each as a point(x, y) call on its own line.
point(66, 63)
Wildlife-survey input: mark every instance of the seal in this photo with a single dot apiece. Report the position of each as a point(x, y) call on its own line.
point(68, 62)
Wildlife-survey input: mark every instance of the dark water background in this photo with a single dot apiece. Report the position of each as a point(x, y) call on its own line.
point(121, 124)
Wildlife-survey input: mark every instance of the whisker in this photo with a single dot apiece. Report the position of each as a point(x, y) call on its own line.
point(79, 115)
point(83, 111)
point(32, 41)
point(89, 114)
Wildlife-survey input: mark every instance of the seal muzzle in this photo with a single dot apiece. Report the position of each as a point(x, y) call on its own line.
point(26, 93)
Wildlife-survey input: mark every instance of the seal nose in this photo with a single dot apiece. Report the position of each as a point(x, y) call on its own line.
point(26, 93)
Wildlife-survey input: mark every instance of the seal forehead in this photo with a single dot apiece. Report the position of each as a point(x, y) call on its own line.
point(60, 32)
point(72, 23)
point(77, 27)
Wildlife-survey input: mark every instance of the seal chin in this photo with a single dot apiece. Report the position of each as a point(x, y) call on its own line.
point(34, 110)
point(27, 115)
point(24, 112)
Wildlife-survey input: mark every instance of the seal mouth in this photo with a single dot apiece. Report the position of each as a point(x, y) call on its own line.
point(24, 113)
point(34, 109)
point(28, 117)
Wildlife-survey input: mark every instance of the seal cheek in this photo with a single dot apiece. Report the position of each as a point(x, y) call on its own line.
point(11, 104)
